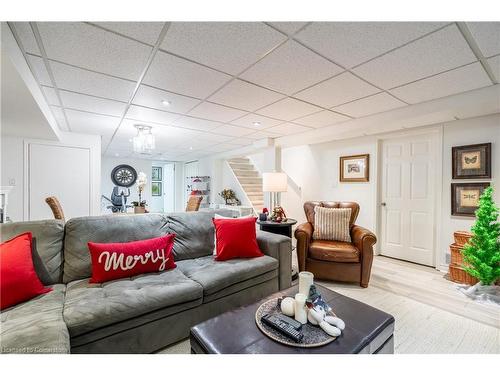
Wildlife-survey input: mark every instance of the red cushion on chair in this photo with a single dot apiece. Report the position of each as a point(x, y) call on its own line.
point(112, 261)
point(236, 238)
point(18, 279)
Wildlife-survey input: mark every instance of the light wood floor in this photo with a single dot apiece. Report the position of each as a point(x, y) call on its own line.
point(432, 315)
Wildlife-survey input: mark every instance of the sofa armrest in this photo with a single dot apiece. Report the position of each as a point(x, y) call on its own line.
point(303, 235)
point(280, 248)
point(364, 240)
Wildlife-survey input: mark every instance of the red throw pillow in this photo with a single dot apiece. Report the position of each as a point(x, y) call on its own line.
point(112, 261)
point(236, 239)
point(18, 279)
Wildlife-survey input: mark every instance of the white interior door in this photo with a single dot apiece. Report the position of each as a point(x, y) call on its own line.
point(407, 199)
point(169, 187)
point(61, 171)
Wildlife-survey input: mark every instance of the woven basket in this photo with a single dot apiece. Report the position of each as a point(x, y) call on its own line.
point(458, 275)
point(462, 237)
point(456, 255)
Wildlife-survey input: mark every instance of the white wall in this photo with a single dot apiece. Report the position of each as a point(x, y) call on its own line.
point(14, 166)
point(313, 172)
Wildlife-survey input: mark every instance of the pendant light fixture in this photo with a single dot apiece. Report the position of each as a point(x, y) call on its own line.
point(144, 141)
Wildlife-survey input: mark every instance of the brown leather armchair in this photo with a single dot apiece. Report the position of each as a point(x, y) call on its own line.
point(336, 260)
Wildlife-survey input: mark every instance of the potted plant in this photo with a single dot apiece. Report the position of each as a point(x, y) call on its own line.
point(229, 197)
point(140, 206)
point(481, 253)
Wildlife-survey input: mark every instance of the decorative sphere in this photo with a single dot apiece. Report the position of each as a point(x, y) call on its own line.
point(288, 306)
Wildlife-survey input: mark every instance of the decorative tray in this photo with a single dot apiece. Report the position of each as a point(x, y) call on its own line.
point(313, 335)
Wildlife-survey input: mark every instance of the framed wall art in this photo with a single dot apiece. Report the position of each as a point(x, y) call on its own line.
point(156, 174)
point(156, 189)
point(471, 161)
point(354, 168)
point(465, 197)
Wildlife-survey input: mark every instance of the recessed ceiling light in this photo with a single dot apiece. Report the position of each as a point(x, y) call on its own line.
point(165, 102)
point(190, 147)
point(130, 140)
point(256, 123)
point(117, 154)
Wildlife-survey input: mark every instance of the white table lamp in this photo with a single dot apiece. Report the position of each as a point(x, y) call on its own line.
point(274, 183)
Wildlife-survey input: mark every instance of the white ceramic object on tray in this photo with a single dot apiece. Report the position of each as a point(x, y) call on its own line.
point(306, 279)
point(288, 306)
point(300, 308)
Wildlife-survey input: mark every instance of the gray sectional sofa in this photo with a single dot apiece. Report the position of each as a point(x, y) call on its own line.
point(140, 314)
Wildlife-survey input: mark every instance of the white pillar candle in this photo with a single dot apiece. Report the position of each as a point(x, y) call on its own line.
point(305, 282)
point(300, 308)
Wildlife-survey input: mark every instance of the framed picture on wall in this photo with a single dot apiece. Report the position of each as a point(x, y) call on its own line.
point(156, 189)
point(354, 168)
point(156, 174)
point(472, 161)
point(465, 197)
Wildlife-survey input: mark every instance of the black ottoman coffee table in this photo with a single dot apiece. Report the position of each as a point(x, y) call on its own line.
point(368, 330)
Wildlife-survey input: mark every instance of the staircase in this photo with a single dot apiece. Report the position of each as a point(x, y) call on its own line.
point(249, 180)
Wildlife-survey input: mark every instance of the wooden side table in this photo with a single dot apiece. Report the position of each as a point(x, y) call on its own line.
point(283, 228)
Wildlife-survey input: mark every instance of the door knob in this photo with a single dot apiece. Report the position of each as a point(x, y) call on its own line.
point(383, 204)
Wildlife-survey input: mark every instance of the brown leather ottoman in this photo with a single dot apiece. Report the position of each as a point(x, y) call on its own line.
point(368, 330)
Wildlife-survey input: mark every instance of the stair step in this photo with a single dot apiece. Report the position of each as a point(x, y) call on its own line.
point(250, 180)
point(257, 203)
point(245, 173)
point(255, 194)
point(240, 160)
point(241, 166)
point(252, 188)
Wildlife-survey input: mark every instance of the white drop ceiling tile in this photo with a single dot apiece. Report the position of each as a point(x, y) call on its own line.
point(222, 147)
point(150, 115)
point(288, 27)
point(240, 94)
point(289, 128)
point(83, 122)
point(196, 123)
point(216, 112)
point(256, 122)
point(337, 90)
point(241, 141)
point(290, 68)
point(262, 134)
point(443, 50)
point(39, 70)
point(59, 116)
point(227, 46)
point(147, 32)
point(91, 104)
point(373, 104)
point(26, 36)
point(50, 95)
point(232, 130)
point(90, 83)
point(212, 137)
point(151, 97)
point(494, 63)
point(351, 43)
point(459, 80)
point(87, 46)
point(181, 76)
point(487, 36)
point(321, 119)
point(288, 109)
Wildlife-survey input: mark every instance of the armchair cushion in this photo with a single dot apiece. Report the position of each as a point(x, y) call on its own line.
point(334, 251)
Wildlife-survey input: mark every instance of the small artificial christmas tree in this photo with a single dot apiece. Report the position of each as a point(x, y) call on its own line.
point(482, 253)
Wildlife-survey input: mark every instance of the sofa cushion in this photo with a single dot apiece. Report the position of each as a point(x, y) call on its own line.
point(92, 306)
point(334, 251)
point(36, 326)
point(194, 234)
point(48, 238)
point(102, 229)
point(223, 278)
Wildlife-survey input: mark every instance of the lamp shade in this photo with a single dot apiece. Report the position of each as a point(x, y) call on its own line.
point(274, 182)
